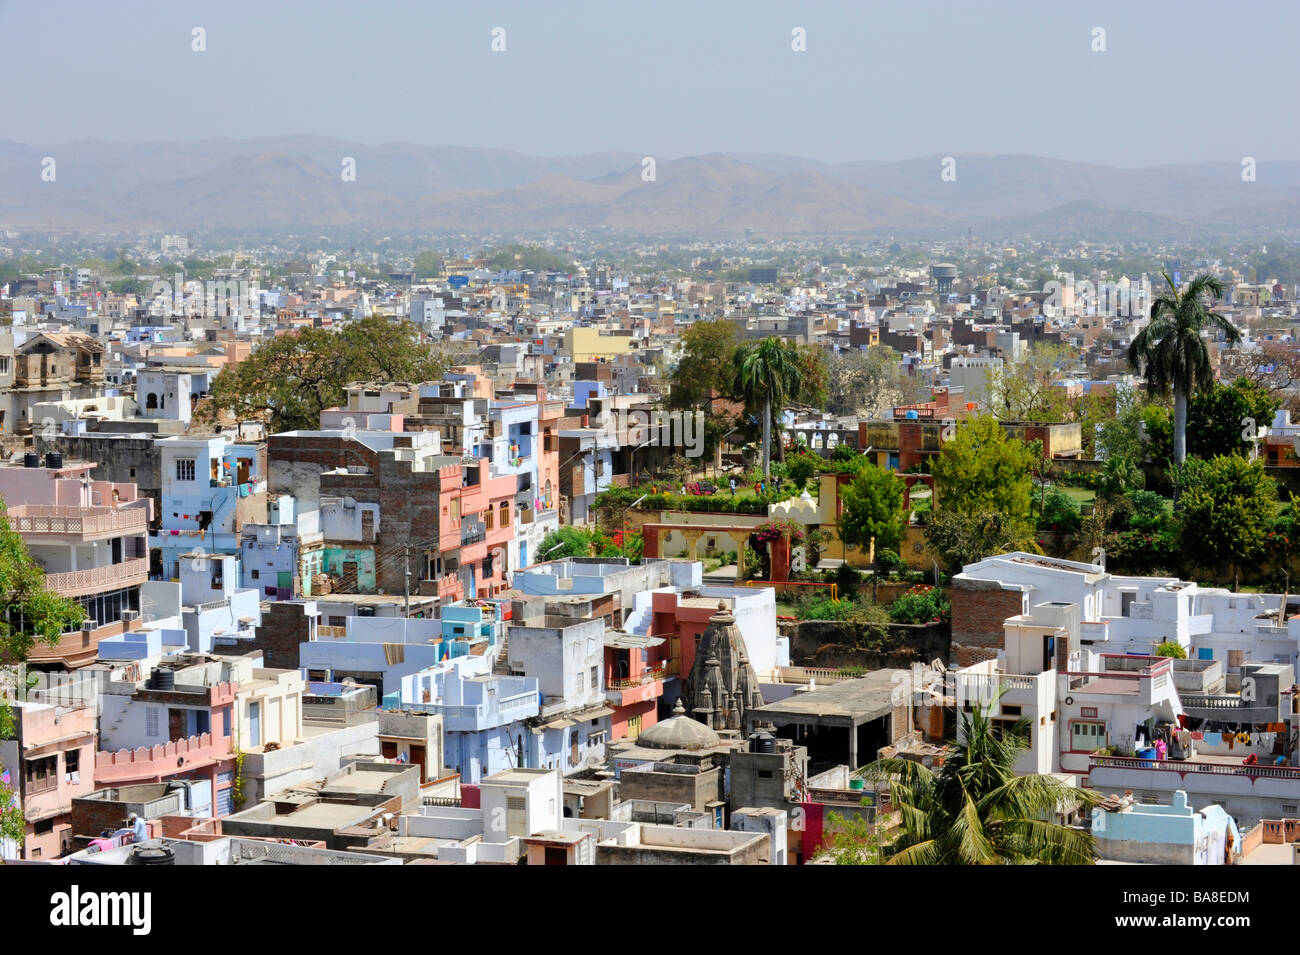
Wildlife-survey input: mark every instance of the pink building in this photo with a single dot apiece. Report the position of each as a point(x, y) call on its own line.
point(91, 538)
point(50, 761)
point(199, 734)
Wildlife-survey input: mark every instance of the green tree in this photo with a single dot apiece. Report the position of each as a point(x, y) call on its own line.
point(1228, 507)
point(1060, 513)
point(1169, 648)
point(981, 469)
point(1224, 419)
point(1027, 390)
point(766, 376)
point(800, 467)
point(528, 257)
point(29, 614)
point(1136, 429)
point(570, 541)
point(962, 537)
point(871, 509)
point(1170, 352)
point(707, 365)
point(976, 810)
point(869, 382)
point(427, 264)
point(291, 379)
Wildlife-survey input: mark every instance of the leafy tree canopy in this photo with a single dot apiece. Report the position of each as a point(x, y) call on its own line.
point(288, 381)
point(1223, 419)
point(981, 469)
point(872, 509)
point(1229, 505)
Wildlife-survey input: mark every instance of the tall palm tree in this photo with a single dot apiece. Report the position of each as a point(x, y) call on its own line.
point(1170, 352)
point(976, 810)
point(767, 375)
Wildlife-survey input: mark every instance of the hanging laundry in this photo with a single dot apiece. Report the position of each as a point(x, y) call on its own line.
point(1212, 739)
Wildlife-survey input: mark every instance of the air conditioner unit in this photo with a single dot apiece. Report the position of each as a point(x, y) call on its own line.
point(130, 615)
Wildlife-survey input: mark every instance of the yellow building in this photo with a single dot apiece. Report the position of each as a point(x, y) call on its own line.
point(588, 344)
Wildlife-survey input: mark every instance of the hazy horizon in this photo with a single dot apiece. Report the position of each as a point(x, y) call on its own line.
point(1177, 83)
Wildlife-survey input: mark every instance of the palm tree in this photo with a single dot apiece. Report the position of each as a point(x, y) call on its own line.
point(1170, 352)
point(767, 374)
point(976, 810)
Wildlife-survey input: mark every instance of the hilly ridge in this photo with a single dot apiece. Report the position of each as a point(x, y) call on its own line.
point(294, 181)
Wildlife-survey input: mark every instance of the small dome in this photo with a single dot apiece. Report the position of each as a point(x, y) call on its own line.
point(679, 731)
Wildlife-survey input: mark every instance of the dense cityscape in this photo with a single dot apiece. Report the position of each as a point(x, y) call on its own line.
point(457, 505)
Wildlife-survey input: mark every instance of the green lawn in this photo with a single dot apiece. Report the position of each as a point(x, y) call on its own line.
point(1080, 495)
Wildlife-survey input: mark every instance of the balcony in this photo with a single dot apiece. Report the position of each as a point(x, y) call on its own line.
point(78, 583)
point(638, 689)
point(649, 676)
point(85, 523)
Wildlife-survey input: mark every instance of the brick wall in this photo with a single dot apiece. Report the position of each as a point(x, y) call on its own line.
point(979, 610)
point(284, 628)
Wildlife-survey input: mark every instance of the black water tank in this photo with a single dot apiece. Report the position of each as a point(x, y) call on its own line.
point(762, 743)
point(163, 679)
point(54, 459)
point(31, 460)
point(152, 853)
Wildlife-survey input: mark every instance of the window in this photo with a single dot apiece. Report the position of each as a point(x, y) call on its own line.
point(595, 677)
point(185, 469)
point(1088, 712)
point(505, 513)
point(1002, 728)
point(42, 774)
point(488, 519)
point(255, 573)
point(72, 761)
point(1011, 709)
point(1087, 737)
point(151, 718)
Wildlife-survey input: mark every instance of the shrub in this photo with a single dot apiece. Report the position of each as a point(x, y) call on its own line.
point(921, 604)
point(1170, 649)
point(1060, 513)
point(847, 581)
point(825, 608)
point(891, 565)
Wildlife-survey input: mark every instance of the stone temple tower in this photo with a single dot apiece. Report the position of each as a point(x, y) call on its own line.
point(722, 686)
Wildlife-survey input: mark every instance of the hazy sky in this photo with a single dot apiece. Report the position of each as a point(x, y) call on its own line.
point(1178, 81)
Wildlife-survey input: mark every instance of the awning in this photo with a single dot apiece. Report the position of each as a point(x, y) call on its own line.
point(597, 714)
point(560, 724)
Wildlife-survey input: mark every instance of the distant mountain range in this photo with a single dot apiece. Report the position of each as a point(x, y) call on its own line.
point(289, 182)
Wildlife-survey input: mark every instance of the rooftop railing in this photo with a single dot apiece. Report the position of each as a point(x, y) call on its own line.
point(1182, 767)
point(78, 521)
